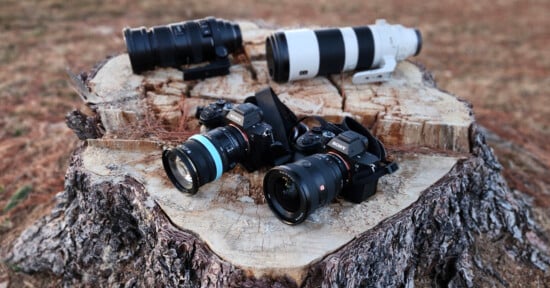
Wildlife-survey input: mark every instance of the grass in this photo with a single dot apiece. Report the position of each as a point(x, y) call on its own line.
point(17, 197)
point(19, 132)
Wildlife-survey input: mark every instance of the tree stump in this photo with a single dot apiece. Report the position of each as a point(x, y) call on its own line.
point(121, 222)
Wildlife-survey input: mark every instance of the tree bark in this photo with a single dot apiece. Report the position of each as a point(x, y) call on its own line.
point(119, 222)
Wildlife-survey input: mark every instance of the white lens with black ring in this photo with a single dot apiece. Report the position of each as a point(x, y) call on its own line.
point(305, 53)
point(303, 63)
point(351, 47)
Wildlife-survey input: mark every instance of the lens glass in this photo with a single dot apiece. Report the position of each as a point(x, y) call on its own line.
point(287, 194)
point(180, 170)
point(293, 191)
point(182, 174)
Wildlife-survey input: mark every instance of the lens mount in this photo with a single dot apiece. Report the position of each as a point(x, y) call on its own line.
point(230, 35)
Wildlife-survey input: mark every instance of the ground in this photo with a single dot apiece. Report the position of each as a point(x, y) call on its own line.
point(492, 53)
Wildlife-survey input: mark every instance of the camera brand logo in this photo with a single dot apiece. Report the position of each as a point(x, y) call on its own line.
point(339, 146)
point(235, 118)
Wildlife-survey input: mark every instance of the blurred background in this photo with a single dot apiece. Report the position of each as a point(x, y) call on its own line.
point(494, 54)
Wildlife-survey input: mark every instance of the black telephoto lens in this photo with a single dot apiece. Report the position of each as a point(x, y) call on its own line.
point(293, 191)
point(204, 158)
point(181, 43)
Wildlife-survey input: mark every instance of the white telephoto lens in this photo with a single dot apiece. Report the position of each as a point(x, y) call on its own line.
point(305, 53)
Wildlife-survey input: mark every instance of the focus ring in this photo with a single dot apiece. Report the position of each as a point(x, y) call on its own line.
point(213, 152)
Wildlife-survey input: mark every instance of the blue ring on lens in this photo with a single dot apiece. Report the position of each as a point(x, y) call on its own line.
point(213, 152)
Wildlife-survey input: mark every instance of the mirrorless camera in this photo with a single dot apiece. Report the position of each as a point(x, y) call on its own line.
point(349, 166)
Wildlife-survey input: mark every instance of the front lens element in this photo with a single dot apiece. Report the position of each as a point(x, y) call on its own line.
point(418, 41)
point(287, 194)
point(183, 174)
point(180, 170)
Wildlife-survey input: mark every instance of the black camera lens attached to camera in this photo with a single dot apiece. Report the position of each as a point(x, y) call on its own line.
point(206, 40)
point(372, 50)
point(293, 191)
point(348, 168)
point(203, 158)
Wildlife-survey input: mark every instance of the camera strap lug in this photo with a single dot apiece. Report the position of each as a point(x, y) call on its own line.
point(377, 75)
point(369, 176)
point(372, 167)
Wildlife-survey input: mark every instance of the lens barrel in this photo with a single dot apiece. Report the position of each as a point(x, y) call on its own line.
point(203, 158)
point(276, 50)
point(181, 43)
point(305, 53)
point(293, 191)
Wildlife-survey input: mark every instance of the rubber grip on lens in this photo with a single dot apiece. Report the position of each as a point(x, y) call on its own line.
point(213, 152)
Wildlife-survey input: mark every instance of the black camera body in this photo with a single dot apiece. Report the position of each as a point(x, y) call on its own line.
point(249, 118)
point(312, 141)
point(351, 147)
point(213, 115)
point(259, 134)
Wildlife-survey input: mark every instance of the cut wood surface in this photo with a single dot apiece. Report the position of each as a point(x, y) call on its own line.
point(422, 220)
point(248, 235)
